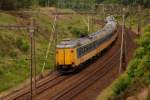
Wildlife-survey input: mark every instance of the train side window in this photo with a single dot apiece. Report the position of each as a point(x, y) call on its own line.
point(89, 47)
point(92, 45)
point(83, 50)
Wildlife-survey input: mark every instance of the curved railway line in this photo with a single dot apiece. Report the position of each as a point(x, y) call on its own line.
point(74, 90)
point(57, 87)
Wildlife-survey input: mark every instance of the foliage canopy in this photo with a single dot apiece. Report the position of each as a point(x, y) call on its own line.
point(16, 4)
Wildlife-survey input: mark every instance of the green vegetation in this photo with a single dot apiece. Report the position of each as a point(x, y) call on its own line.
point(138, 69)
point(15, 4)
point(79, 32)
point(13, 74)
point(122, 84)
point(75, 4)
point(14, 47)
point(23, 45)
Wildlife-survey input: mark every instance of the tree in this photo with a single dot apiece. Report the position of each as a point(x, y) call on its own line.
point(8, 4)
point(48, 2)
point(15, 4)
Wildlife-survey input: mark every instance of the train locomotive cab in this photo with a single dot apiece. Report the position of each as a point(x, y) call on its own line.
point(66, 56)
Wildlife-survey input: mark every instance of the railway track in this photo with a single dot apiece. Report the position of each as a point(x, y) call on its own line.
point(79, 82)
point(74, 90)
point(97, 86)
point(26, 90)
point(42, 87)
point(70, 89)
point(85, 82)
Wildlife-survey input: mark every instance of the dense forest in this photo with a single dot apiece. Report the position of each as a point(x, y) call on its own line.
point(17, 4)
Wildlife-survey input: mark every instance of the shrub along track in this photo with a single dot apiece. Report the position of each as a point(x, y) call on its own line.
point(59, 87)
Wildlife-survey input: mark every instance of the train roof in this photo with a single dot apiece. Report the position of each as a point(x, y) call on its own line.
point(71, 43)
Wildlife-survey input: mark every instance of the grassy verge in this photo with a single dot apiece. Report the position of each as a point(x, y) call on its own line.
point(111, 90)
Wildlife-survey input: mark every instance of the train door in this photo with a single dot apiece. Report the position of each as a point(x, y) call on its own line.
point(60, 56)
point(69, 57)
point(65, 57)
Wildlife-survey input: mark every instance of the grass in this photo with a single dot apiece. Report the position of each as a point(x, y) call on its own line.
point(105, 94)
point(12, 75)
point(7, 19)
point(109, 91)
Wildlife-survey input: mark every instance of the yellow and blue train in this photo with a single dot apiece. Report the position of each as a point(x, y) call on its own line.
point(70, 54)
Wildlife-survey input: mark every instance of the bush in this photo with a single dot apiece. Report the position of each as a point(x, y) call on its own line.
point(143, 69)
point(122, 84)
point(140, 52)
point(1, 54)
point(15, 4)
point(69, 27)
point(1, 70)
point(79, 32)
point(13, 53)
point(144, 41)
point(147, 28)
point(132, 67)
point(22, 44)
point(138, 69)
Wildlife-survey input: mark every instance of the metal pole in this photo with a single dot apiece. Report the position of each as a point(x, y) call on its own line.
point(31, 64)
point(34, 45)
point(104, 11)
point(139, 20)
point(55, 32)
point(32, 55)
point(122, 43)
point(130, 12)
point(88, 23)
point(92, 22)
point(48, 3)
